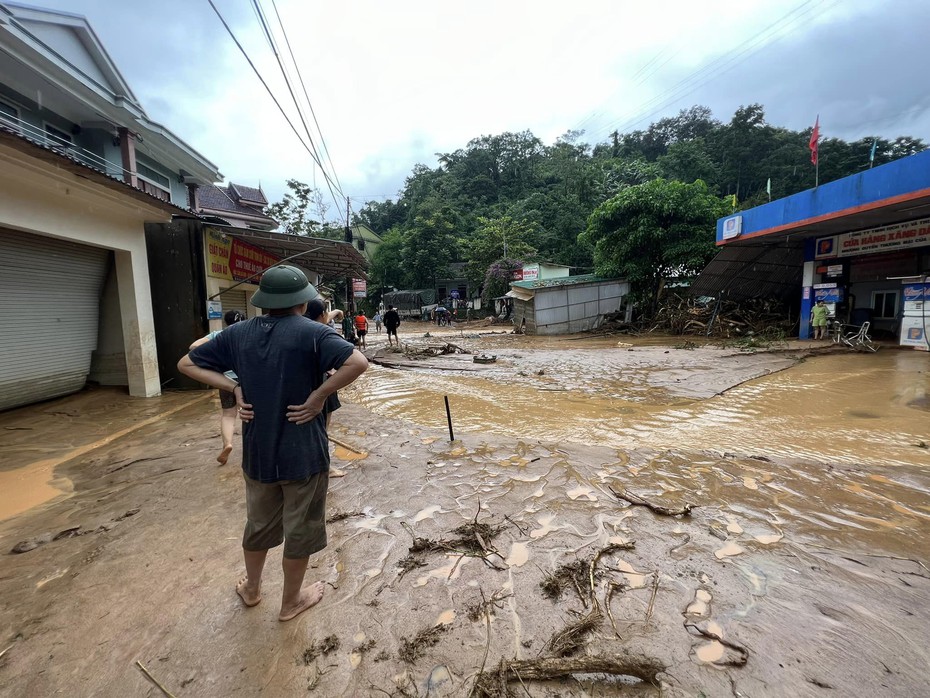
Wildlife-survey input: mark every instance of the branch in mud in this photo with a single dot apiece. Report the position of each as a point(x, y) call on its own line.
point(571, 638)
point(473, 540)
point(493, 684)
point(476, 611)
point(636, 500)
point(341, 515)
point(579, 573)
point(742, 651)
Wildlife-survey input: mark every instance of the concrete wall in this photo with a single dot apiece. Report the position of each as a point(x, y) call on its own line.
point(66, 43)
point(41, 198)
point(108, 364)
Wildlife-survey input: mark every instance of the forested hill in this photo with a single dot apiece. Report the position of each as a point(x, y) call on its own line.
point(538, 198)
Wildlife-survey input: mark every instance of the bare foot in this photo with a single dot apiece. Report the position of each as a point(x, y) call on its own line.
point(224, 455)
point(336, 472)
point(309, 597)
point(250, 597)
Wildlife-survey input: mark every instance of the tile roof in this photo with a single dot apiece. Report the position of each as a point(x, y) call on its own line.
point(214, 198)
point(71, 162)
point(250, 194)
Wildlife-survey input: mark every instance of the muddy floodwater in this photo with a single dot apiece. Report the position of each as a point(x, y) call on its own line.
point(615, 517)
point(839, 408)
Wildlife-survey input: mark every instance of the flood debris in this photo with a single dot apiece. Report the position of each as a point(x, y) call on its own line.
point(484, 358)
point(636, 500)
point(24, 546)
point(570, 575)
point(327, 645)
point(365, 647)
point(571, 638)
point(742, 653)
point(680, 315)
point(154, 680)
point(472, 539)
point(342, 515)
point(412, 648)
point(432, 350)
point(494, 683)
point(478, 610)
point(579, 575)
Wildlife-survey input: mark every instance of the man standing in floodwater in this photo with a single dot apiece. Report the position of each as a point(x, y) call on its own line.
point(391, 323)
point(280, 359)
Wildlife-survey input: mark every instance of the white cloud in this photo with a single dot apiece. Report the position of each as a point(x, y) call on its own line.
point(394, 83)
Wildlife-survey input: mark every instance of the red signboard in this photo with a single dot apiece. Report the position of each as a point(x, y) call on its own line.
point(246, 261)
point(359, 288)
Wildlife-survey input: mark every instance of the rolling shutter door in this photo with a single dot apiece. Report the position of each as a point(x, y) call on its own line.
point(49, 312)
point(236, 299)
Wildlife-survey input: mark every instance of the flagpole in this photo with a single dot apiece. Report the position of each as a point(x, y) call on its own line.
point(817, 173)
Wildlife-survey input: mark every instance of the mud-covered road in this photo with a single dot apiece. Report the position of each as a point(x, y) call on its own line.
point(803, 569)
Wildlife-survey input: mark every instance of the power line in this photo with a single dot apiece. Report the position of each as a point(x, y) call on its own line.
point(287, 81)
point(267, 88)
point(717, 67)
point(303, 87)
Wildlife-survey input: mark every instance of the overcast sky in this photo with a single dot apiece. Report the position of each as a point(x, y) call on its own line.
point(394, 83)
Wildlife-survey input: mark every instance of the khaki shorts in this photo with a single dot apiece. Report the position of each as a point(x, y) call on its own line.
point(292, 511)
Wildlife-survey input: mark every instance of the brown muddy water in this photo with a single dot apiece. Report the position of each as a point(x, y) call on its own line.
point(840, 408)
point(807, 546)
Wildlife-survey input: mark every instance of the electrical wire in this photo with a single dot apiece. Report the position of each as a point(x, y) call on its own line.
point(287, 81)
point(303, 88)
point(721, 65)
point(267, 88)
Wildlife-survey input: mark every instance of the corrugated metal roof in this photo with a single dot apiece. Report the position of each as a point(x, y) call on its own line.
point(70, 162)
point(331, 258)
point(563, 281)
point(743, 271)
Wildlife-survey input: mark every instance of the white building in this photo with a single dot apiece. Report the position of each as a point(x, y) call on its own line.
point(82, 169)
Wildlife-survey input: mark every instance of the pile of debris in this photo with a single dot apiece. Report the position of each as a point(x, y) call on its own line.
point(721, 318)
point(433, 350)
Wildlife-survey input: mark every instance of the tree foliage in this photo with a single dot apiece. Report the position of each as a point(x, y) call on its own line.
point(444, 213)
point(302, 211)
point(495, 239)
point(655, 230)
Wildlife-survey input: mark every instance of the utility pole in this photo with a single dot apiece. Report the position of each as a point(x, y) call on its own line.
point(350, 291)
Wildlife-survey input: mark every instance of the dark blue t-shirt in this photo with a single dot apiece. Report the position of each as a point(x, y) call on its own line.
point(279, 361)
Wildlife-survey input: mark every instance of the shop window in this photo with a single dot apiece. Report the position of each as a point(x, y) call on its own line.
point(884, 305)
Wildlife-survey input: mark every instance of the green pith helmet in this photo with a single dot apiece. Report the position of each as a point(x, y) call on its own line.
point(283, 286)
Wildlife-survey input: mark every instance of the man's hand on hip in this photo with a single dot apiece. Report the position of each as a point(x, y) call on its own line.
point(301, 414)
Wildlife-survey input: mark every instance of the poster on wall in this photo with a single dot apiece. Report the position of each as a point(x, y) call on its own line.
point(234, 260)
point(214, 310)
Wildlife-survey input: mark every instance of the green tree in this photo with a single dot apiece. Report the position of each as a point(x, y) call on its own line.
point(387, 266)
point(430, 244)
point(302, 211)
point(495, 239)
point(652, 231)
point(687, 161)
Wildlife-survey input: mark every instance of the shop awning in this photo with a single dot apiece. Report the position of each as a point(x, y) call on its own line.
point(331, 259)
point(741, 271)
